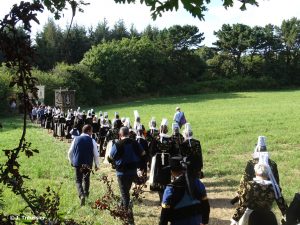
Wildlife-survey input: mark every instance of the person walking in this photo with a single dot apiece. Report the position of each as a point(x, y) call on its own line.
point(82, 153)
point(126, 155)
point(185, 200)
point(179, 117)
point(257, 197)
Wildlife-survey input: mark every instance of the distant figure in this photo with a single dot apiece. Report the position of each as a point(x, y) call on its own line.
point(117, 120)
point(152, 133)
point(1, 126)
point(82, 153)
point(184, 201)
point(13, 106)
point(179, 117)
point(177, 137)
point(34, 114)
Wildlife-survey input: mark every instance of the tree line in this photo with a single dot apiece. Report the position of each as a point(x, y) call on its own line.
point(103, 63)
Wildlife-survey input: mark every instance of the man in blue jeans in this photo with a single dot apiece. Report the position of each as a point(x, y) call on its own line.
point(82, 153)
point(127, 155)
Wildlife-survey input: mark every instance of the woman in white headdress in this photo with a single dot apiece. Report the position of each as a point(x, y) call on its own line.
point(162, 151)
point(249, 173)
point(257, 197)
point(191, 149)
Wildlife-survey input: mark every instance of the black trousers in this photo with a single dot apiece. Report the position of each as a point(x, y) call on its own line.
point(82, 182)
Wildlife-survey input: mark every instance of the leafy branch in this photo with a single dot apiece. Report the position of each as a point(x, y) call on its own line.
point(19, 54)
point(195, 7)
point(111, 202)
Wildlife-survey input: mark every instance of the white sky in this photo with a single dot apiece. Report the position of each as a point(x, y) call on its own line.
point(269, 11)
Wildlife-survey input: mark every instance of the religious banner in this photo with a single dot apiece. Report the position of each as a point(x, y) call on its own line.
point(65, 99)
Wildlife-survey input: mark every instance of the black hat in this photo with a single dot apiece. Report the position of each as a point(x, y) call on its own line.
point(176, 163)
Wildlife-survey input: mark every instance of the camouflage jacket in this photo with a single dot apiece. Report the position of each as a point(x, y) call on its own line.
point(255, 196)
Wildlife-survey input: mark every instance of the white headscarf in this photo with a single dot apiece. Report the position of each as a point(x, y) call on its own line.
point(264, 159)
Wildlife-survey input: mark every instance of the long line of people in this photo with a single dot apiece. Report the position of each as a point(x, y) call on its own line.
point(174, 165)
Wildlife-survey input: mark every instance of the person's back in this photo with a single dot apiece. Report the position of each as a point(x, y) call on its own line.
point(184, 204)
point(127, 156)
point(144, 145)
point(192, 150)
point(257, 196)
point(33, 112)
point(249, 172)
point(83, 151)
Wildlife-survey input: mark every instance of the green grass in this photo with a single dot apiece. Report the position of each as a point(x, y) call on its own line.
point(226, 124)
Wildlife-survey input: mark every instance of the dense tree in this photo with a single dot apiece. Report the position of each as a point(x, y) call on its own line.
point(134, 66)
point(151, 32)
point(290, 37)
point(234, 40)
point(102, 33)
point(75, 43)
point(206, 53)
point(133, 32)
point(185, 37)
point(119, 31)
point(49, 46)
point(1, 58)
point(256, 40)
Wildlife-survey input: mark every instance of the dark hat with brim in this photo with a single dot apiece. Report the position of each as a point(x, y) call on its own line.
point(175, 163)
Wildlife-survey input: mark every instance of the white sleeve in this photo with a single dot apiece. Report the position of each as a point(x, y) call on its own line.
point(70, 153)
point(96, 153)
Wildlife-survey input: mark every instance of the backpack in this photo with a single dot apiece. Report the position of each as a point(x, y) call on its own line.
point(182, 120)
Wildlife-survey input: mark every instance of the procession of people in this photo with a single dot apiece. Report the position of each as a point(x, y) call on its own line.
point(172, 164)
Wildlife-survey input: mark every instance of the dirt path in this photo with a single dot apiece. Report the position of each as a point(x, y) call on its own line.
point(219, 194)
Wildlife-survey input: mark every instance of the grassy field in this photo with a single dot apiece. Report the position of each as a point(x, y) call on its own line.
point(226, 124)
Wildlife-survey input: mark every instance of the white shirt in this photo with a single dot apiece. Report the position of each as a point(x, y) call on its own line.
point(95, 151)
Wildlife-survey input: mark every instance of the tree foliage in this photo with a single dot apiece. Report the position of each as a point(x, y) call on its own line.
point(195, 7)
point(259, 51)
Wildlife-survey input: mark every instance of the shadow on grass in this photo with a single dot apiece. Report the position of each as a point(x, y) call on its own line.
point(221, 203)
point(230, 183)
point(14, 122)
point(220, 190)
point(174, 100)
point(150, 202)
point(146, 214)
point(216, 221)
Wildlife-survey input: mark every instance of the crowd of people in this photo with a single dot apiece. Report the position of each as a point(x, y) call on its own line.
point(173, 165)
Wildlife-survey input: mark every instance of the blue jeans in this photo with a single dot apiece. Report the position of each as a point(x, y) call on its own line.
point(125, 182)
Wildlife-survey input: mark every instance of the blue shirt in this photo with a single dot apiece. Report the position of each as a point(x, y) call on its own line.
point(130, 159)
point(185, 201)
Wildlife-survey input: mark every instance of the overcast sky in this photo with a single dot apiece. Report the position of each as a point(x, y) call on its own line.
point(269, 11)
